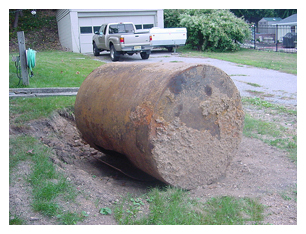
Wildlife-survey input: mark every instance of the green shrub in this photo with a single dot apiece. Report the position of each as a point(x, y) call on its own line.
point(214, 30)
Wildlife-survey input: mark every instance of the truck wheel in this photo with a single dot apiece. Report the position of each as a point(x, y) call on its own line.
point(144, 55)
point(113, 53)
point(95, 50)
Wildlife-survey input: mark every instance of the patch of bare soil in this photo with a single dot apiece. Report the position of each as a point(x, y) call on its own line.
point(258, 170)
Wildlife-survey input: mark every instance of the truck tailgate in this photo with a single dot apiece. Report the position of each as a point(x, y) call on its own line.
point(136, 39)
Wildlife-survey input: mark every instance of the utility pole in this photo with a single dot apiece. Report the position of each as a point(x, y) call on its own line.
point(23, 58)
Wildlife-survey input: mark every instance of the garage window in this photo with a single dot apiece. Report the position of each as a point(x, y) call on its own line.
point(148, 26)
point(144, 26)
point(85, 30)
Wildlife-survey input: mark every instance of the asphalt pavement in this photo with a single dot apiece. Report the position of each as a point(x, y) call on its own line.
point(273, 86)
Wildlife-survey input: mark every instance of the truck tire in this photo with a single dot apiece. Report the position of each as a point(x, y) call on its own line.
point(95, 49)
point(113, 53)
point(144, 55)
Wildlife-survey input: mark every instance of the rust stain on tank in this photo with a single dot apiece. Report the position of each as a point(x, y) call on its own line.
point(142, 114)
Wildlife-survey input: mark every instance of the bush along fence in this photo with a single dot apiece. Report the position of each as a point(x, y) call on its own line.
point(279, 38)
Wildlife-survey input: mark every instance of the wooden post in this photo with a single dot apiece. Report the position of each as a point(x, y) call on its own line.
point(23, 61)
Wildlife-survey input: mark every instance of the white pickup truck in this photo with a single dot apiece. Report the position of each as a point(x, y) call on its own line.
point(122, 38)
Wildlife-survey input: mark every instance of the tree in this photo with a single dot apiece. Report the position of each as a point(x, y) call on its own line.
point(216, 30)
point(171, 17)
point(254, 15)
point(17, 14)
point(284, 13)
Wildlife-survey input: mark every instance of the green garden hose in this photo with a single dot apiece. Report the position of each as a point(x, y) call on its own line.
point(31, 56)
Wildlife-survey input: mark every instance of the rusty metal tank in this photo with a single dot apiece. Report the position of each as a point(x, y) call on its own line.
point(180, 123)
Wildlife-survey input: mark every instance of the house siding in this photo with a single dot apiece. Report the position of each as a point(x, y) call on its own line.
point(64, 28)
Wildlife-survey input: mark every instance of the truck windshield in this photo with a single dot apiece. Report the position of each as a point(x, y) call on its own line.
point(121, 28)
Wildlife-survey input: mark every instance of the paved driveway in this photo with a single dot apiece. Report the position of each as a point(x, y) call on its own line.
point(274, 86)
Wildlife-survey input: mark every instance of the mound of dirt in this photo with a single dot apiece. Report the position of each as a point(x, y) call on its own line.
point(258, 171)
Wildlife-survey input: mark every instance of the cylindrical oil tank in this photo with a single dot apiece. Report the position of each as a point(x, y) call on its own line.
point(179, 122)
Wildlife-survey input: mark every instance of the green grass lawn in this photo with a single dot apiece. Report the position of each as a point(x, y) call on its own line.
point(56, 69)
point(23, 110)
point(284, 62)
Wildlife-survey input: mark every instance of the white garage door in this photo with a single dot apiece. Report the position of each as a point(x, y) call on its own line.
point(87, 27)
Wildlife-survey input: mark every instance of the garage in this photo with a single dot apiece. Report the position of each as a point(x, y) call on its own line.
point(76, 27)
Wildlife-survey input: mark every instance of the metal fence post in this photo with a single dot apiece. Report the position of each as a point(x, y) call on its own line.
point(276, 37)
point(23, 61)
point(254, 37)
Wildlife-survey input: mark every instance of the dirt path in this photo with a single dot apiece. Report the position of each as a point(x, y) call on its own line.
point(258, 170)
